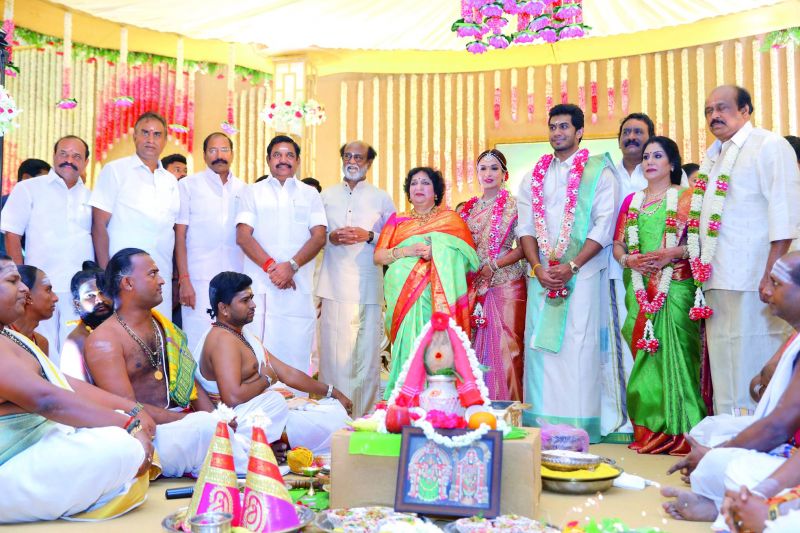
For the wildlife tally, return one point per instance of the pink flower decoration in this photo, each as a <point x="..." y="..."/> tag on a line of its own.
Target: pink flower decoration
<point x="548" y="35"/>
<point x="700" y="184"/>
<point x="722" y="186"/>
<point x="439" y="321"/>
<point x="442" y="420"/>
<point x="287" y="103"/>
<point x="539" y="23"/>
<point x="178" y="128"/>
<point x="571" y="32"/>
<point x="67" y="103"/>
<point x="524" y="37"/>
<point x="273" y="105"/>
<point x="476" y="47"/>
<point x="491" y="10"/>
<point x="533" y="9"/>
<point x="298" y="114"/>
<point x="123" y="101"/>
<point x="511" y="7"/>
<point x="714" y="225"/>
<point x="229" y="128"/>
<point x="469" y="31"/>
<point x="498" y="41"/>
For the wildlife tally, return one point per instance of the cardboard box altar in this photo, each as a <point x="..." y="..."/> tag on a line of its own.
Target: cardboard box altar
<point x="359" y="480"/>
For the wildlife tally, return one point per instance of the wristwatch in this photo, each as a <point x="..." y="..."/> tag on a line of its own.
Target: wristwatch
<point x="371" y="237"/>
<point x="572" y="266"/>
<point x="330" y="391"/>
<point x="294" y="265"/>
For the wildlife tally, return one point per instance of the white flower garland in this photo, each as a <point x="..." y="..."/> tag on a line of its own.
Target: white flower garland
<point x="649" y="342"/>
<point x="459" y="440"/>
<point x="700" y="259"/>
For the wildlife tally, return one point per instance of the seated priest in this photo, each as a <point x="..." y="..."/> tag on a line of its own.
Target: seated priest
<point x="140" y="355"/>
<point x="93" y="307"/>
<point x="759" y="449"/>
<point x="67" y="448"/>
<point x="236" y="369"/>
<point x="40" y="304"/>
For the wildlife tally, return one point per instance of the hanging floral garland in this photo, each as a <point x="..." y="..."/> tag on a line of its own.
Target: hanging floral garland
<point x="488" y="22"/>
<point x="227" y="126"/>
<point x="554" y="254"/>
<point x="649" y="343"/>
<point x="67" y="102"/>
<point x="291" y="116"/>
<point x="700" y="260"/>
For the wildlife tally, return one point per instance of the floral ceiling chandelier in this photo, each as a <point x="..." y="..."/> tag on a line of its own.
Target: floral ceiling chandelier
<point x="489" y="22"/>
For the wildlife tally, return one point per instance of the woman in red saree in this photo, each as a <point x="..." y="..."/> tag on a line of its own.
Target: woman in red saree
<point x="430" y="254"/>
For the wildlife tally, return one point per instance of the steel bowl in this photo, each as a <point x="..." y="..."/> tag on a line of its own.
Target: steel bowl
<point x="567" y="461"/>
<point x="173" y="522"/>
<point x="580" y="486"/>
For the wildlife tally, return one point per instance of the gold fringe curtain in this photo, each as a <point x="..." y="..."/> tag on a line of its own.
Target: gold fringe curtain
<point x="669" y="86"/>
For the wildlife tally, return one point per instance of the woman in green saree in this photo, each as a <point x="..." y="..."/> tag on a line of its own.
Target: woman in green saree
<point x="664" y="400"/>
<point x="431" y="258"/>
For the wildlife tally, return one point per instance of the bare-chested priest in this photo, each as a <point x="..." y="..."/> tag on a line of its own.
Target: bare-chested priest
<point x="67" y="448"/>
<point x="139" y="354"/>
<point x="93" y="308"/>
<point x="235" y="367"/>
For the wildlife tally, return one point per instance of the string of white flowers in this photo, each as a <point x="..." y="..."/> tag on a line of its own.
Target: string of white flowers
<point x="670" y="241"/>
<point x="471" y="357"/>
<point x="458" y="441"/>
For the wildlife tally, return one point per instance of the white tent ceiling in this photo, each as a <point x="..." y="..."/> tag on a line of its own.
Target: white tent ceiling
<point x="283" y="25"/>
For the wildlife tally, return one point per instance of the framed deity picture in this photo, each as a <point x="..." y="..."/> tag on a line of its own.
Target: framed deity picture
<point x="436" y="480"/>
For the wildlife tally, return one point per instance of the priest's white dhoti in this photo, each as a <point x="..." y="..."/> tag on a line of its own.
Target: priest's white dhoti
<point x="182" y="445"/>
<point x="195" y="322"/>
<point x="350" y="346"/>
<point x="740" y="341"/>
<point x="566" y="387"/>
<point x="714" y="430"/>
<point x="68" y="472"/>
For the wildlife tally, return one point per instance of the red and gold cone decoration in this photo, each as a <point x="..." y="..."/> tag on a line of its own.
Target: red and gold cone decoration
<point x="217" y="490"/>
<point x="267" y="504"/>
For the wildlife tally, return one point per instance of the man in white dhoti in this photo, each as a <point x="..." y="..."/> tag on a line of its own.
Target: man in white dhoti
<point x="763" y="445"/>
<point x="280" y="226"/>
<point x="140" y="355"/>
<point x="53" y="213"/>
<point x="741" y="233"/>
<point x="634" y="131"/>
<point x="76" y="460"/>
<point x="234" y="367"/>
<point x="566" y="218"/>
<point x="205" y="233"/>
<point x="135" y="203"/>
<point x="350" y="285"/>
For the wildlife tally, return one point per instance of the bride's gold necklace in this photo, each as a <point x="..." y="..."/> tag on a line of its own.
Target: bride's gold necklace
<point x="650" y="197"/>
<point x="423" y="218"/>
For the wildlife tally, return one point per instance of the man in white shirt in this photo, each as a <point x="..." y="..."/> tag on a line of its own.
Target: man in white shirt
<point x="759" y="221"/>
<point x="567" y="311"/>
<point x="634" y="131"/>
<point x="205" y="233"/>
<point x="280" y="226"/>
<point x="53" y="212"/>
<point x="350" y="284"/>
<point x="136" y="202"/>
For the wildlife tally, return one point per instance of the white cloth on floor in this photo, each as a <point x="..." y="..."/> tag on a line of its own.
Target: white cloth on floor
<point x="790" y="523"/>
<point x="714" y="430"/>
<point x="67" y="472"/>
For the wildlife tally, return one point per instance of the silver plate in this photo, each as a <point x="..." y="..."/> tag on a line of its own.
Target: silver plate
<point x="171" y="522"/>
<point x="323" y="523"/>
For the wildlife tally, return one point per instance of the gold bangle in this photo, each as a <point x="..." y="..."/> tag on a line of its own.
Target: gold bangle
<point x="532" y="273"/>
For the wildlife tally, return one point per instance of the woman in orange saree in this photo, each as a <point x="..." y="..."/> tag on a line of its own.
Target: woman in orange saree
<point x="431" y="259"/>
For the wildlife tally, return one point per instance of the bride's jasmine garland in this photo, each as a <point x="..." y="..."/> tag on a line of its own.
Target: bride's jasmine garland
<point x="700" y="259"/>
<point x="427" y="428"/>
<point x="649" y="342"/>
<point x="547" y="250"/>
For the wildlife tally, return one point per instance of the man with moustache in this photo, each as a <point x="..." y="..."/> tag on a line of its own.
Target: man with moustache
<point x="135" y="203"/>
<point x="566" y="317"/>
<point x="64" y="451"/>
<point x="52" y="212"/>
<point x="280" y="226"/>
<point x="634" y="131"/>
<point x="758" y="220"/>
<point x="350" y="285"/>
<point x="93" y="308"/>
<point x="205" y="233"/>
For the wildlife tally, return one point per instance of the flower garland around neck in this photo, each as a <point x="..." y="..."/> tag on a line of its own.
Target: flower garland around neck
<point x="495" y="231"/>
<point x="649" y="343"/>
<point x="700" y="260"/>
<point x="546" y="249"/>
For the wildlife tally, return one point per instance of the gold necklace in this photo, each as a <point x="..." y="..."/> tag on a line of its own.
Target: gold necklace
<point x="648" y="196"/>
<point x="155" y="356"/>
<point x="423" y="218"/>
